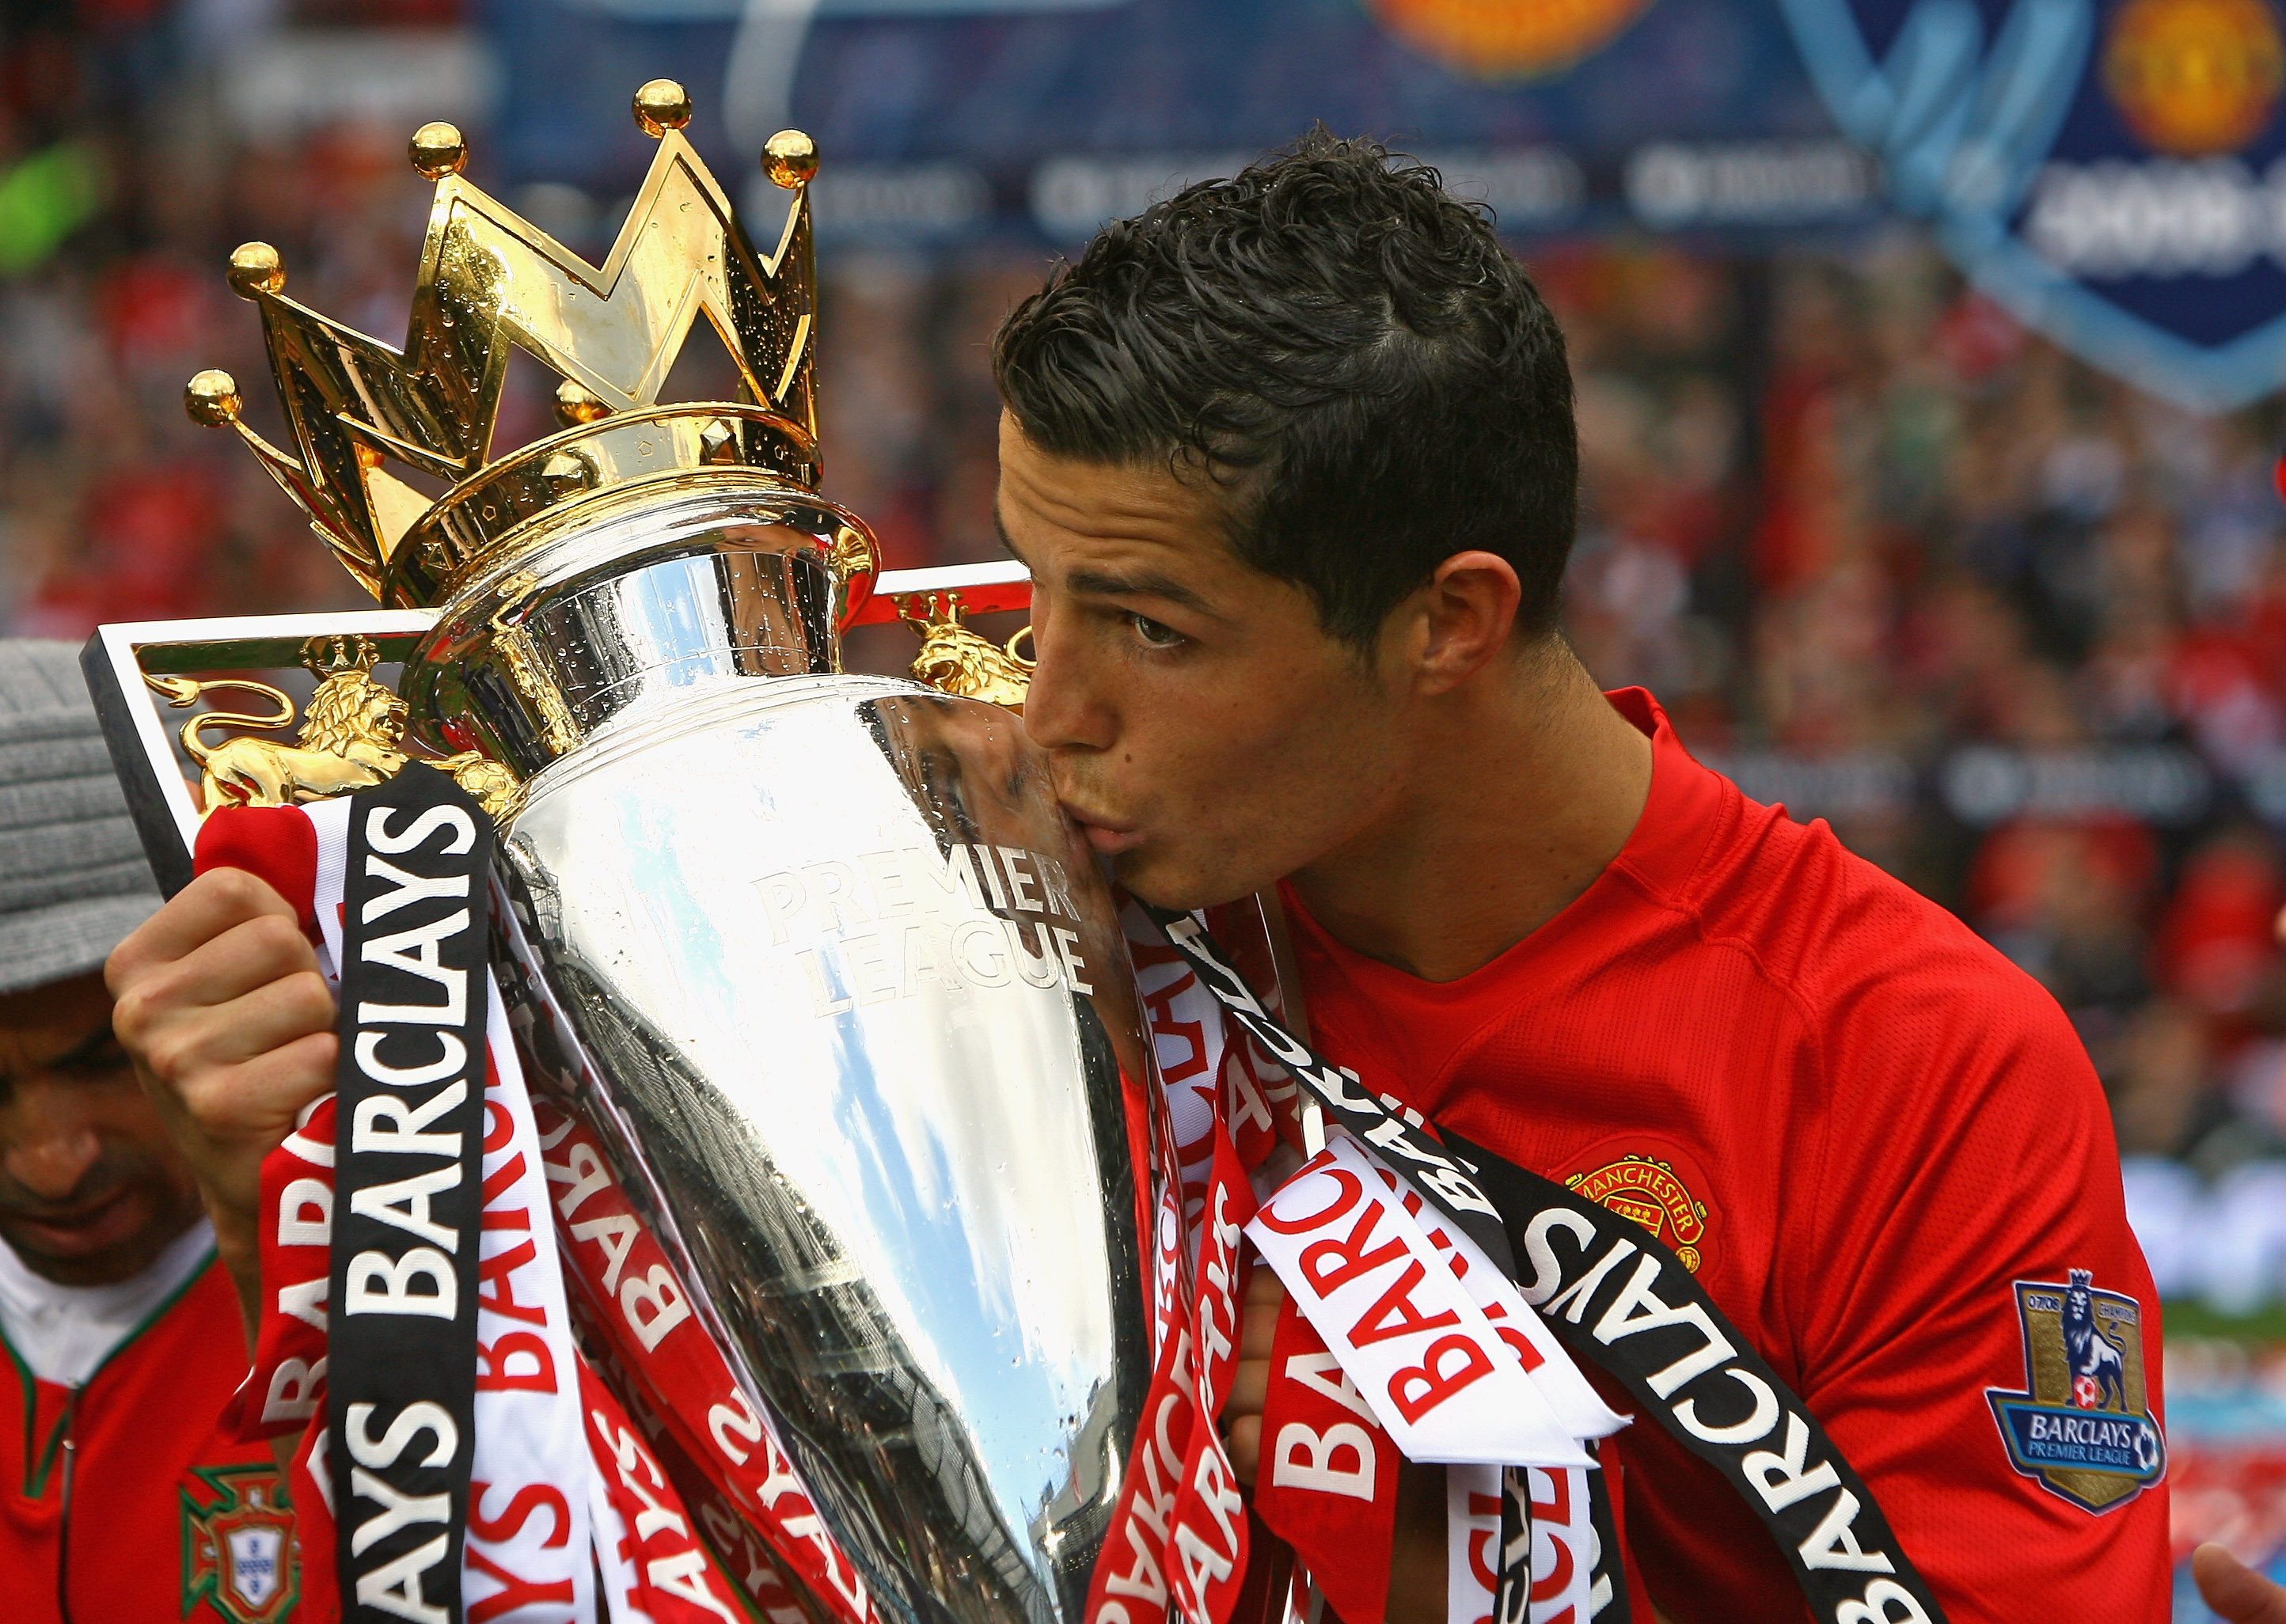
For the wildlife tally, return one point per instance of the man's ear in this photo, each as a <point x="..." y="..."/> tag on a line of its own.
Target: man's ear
<point x="1464" y="616"/>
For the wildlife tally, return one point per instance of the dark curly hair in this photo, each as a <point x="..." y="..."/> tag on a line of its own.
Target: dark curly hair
<point x="1345" y="349"/>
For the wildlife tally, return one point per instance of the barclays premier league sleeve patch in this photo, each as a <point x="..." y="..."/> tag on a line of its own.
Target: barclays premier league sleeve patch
<point x="2084" y="1429"/>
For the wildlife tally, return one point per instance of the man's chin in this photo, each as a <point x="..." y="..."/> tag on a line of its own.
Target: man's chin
<point x="122" y="1241"/>
<point x="1166" y="879"/>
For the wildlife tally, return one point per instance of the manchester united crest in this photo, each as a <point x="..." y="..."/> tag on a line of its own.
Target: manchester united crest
<point x="1653" y="1193"/>
<point x="2085" y="1429"/>
<point x="237" y="1545"/>
<point x="2194" y="78"/>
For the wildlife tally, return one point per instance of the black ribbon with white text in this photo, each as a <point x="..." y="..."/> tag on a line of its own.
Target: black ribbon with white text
<point x="1618" y="1298"/>
<point x="408" y="1188"/>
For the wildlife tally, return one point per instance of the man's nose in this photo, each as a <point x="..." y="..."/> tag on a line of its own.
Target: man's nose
<point x="1061" y="709"/>
<point x="51" y="1144"/>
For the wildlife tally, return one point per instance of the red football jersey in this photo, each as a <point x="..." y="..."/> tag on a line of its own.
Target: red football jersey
<point x="1882" y="1149"/>
<point x="127" y="1499"/>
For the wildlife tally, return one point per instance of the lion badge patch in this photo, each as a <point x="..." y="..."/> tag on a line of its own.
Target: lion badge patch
<point x="2084" y="1429"/>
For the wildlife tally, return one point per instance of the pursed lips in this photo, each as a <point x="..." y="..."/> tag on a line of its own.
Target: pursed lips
<point x="1110" y="842"/>
<point x="1108" y="838"/>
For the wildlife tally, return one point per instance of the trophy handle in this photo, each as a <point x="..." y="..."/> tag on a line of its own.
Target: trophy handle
<point x="953" y="658"/>
<point x="138" y="670"/>
<point x="985" y="589"/>
<point x="134" y="669"/>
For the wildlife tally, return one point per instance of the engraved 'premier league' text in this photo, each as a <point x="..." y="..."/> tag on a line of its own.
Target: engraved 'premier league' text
<point x="874" y="928"/>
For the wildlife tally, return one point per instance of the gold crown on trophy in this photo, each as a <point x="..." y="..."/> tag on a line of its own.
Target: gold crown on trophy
<point x="490" y="280"/>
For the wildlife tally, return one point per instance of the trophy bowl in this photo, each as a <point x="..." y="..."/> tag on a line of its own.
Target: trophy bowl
<point x="816" y="956"/>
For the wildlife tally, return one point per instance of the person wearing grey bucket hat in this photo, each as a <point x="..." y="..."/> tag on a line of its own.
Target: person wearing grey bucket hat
<point x="123" y="1328"/>
<point x="73" y="878"/>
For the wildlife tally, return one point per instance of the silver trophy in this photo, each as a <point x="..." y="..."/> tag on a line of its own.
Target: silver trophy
<point x="813" y="955"/>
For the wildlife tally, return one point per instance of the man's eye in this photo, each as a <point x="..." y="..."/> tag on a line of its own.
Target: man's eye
<point x="101" y="1058"/>
<point x="1157" y="636"/>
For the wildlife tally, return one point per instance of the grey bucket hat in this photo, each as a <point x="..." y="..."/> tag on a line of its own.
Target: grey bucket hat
<point x="73" y="878"/>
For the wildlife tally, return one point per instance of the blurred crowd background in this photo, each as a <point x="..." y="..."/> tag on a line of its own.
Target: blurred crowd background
<point x="2016" y="627"/>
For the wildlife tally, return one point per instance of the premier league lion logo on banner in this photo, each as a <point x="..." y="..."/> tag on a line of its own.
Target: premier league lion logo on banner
<point x="2084" y="1430"/>
<point x="2109" y="170"/>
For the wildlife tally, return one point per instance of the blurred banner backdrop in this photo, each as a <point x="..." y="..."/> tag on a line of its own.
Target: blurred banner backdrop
<point x="1045" y="117"/>
<point x="2107" y="174"/>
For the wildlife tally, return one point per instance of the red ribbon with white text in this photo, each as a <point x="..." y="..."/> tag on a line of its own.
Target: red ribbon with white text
<point x="564" y="1485"/>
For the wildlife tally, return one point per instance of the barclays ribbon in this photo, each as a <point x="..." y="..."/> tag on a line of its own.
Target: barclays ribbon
<point x="1613" y="1295"/>
<point x="407" y="1194"/>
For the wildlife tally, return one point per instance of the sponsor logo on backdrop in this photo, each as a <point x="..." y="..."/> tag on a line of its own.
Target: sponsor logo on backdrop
<point x="2194" y="77"/>
<point x="2113" y="174"/>
<point x="1507" y="38"/>
<point x="1659" y="1192"/>
<point x="2083" y="1427"/>
<point x="237" y="1545"/>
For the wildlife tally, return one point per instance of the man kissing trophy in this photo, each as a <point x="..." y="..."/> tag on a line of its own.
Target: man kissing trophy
<point x="751" y="1186"/>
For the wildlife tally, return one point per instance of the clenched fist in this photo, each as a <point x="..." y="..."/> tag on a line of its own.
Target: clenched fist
<point x="221" y="1005"/>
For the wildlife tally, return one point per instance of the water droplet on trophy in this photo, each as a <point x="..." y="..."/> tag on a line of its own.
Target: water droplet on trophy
<point x="437" y="150"/>
<point x="660" y="105"/>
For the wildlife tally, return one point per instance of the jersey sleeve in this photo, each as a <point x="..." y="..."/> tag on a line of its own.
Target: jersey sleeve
<point x="1976" y="1325"/>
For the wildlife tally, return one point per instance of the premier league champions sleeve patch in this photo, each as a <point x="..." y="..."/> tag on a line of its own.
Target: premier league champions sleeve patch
<point x="2085" y="1429"/>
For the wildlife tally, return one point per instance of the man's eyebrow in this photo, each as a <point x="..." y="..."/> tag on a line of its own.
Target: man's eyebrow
<point x="98" y="1049"/>
<point x="1138" y="584"/>
<point x="1105" y="584"/>
<point x="1000" y="526"/>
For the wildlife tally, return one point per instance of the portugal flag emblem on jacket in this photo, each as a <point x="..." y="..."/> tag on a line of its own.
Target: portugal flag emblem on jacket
<point x="237" y="1545"/>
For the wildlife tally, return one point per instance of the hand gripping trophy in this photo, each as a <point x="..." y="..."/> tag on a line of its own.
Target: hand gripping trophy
<point x="839" y="1097"/>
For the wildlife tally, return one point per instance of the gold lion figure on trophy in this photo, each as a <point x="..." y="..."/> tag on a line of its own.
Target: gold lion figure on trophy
<point x="349" y="739"/>
<point x="955" y="659"/>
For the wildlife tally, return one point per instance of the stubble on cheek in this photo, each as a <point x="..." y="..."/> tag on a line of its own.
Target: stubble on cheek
<point x="1236" y="784"/>
<point x="1220" y="830"/>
